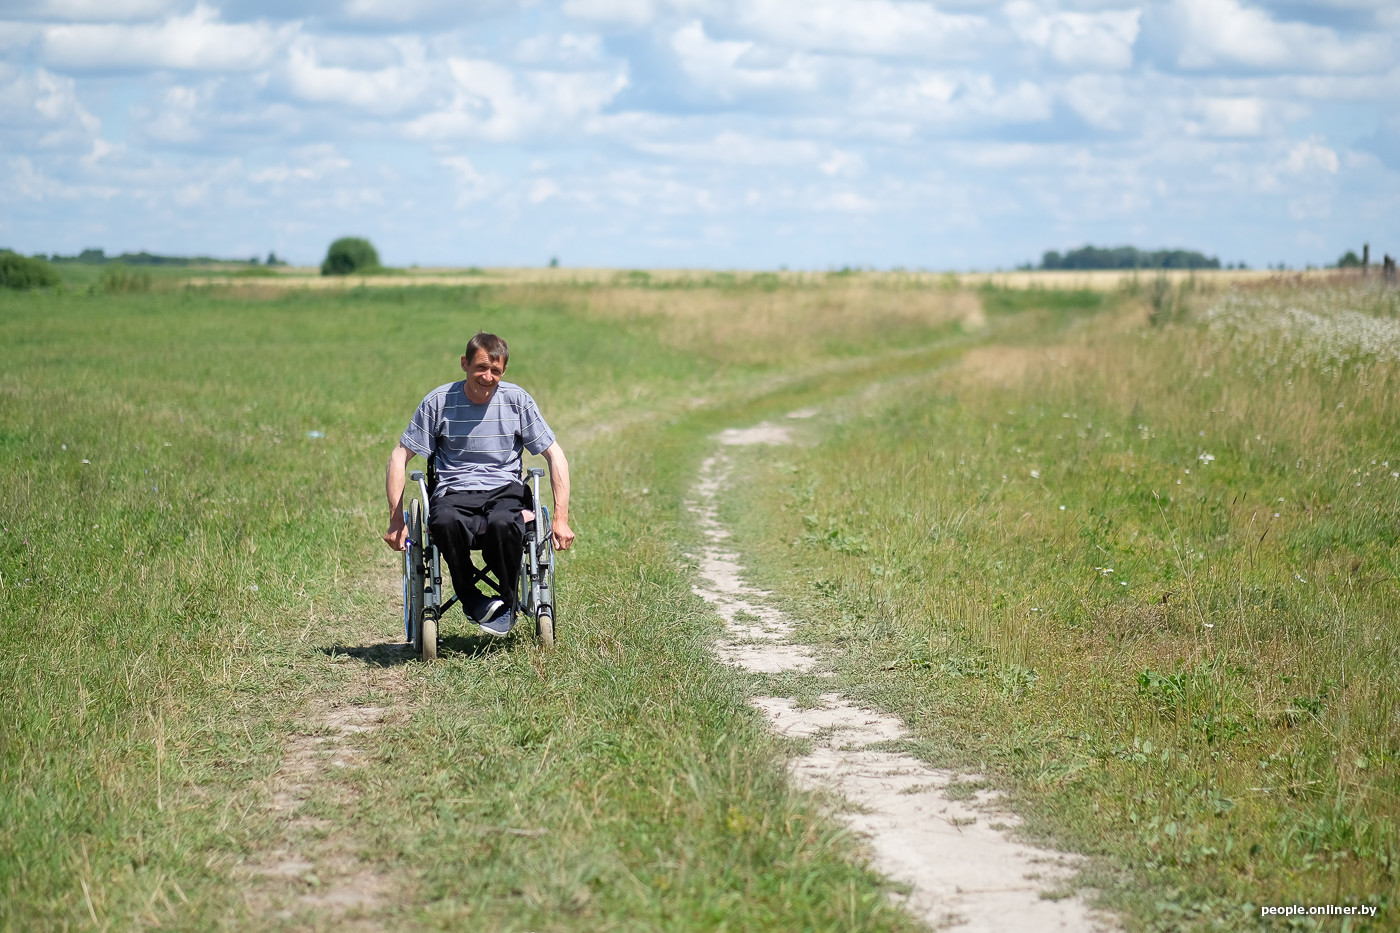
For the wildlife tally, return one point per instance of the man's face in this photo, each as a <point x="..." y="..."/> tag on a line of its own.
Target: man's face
<point x="483" y="375"/>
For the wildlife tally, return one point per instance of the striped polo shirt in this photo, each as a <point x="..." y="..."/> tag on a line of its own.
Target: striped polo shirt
<point x="477" y="446"/>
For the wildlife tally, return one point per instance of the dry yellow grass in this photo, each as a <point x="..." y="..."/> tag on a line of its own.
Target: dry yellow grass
<point x="1095" y="280"/>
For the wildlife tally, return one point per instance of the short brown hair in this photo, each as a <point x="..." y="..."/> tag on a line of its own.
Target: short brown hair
<point x="494" y="346"/>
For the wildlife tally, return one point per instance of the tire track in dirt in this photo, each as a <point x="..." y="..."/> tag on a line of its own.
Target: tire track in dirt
<point x="310" y="874"/>
<point x="955" y="855"/>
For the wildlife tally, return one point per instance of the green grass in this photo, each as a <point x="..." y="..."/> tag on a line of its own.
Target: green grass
<point x="1217" y="733"/>
<point x="1143" y="577"/>
<point x="171" y="606"/>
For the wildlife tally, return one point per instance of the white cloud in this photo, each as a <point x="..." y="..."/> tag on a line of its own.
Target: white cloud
<point x="175" y="123"/>
<point x="1211" y="34"/>
<point x="1310" y="157"/>
<point x="1102" y="101"/>
<point x="846" y="202"/>
<point x="99" y="10"/>
<point x="198" y="41"/>
<point x="471" y="185"/>
<point x="383" y="91"/>
<point x="841" y="163"/>
<point x="560" y="50"/>
<point x="866" y="27"/>
<point x="313" y="164"/>
<point x="1082" y="41"/>
<point x="621" y="12"/>
<point x="45" y="107"/>
<point x="729" y="68"/>
<point x="542" y="190"/>
<point x="489" y="101"/>
<point x="945" y="100"/>
<point x="17" y="35"/>
<point x="1227" y="116"/>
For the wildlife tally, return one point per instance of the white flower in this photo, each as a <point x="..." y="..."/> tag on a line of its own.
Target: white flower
<point x="1206" y="458"/>
<point x="1035" y="474"/>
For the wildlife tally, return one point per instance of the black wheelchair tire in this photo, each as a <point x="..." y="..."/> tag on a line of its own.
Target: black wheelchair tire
<point x="417" y="576"/>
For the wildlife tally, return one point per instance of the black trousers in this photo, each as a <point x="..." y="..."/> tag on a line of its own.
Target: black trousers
<point x="485" y="520"/>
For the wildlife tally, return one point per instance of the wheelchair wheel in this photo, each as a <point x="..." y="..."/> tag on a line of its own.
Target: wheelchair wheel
<point x="428" y="649"/>
<point x="547" y="612"/>
<point x="415" y="581"/>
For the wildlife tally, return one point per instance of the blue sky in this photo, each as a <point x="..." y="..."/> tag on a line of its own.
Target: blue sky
<point x="958" y="134"/>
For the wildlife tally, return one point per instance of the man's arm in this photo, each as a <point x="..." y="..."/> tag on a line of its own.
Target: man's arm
<point x="559" y="482"/>
<point x="397" y="535"/>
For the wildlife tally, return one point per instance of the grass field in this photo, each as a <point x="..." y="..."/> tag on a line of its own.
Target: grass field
<point x="1146" y="578"/>
<point x="192" y="497"/>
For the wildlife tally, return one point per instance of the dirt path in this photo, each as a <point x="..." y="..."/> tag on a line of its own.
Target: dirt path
<point x="956" y="855"/>
<point x="311" y="874"/>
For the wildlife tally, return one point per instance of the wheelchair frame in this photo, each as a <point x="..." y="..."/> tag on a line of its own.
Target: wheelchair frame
<point x="423" y="603"/>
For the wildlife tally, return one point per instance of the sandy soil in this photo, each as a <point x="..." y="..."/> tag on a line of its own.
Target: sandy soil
<point x="960" y="864"/>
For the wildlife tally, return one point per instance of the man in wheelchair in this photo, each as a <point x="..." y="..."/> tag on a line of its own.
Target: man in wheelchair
<point x="474" y="431"/>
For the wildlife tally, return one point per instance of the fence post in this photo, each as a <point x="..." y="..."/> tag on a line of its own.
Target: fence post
<point x="1365" y="259"/>
<point x="1390" y="271"/>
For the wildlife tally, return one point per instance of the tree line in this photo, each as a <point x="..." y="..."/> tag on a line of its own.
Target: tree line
<point x="1127" y="257"/>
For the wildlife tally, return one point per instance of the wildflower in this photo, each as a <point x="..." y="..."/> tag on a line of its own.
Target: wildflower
<point x="65" y="446"/>
<point x="1035" y="474"/>
<point x="1209" y="624"/>
<point x="1206" y="458"/>
<point x="1299" y="578"/>
<point x="1062" y="508"/>
<point x="254" y="587"/>
<point x="89" y="462"/>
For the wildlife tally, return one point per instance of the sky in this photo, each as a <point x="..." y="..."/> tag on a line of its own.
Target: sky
<point x="744" y="134"/>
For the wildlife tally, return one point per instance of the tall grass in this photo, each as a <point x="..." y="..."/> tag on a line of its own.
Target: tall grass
<point x="1146" y="576"/>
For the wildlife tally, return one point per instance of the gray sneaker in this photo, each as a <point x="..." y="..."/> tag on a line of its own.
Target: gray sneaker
<point x="500" y="624"/>
<point x="480" y="608"/>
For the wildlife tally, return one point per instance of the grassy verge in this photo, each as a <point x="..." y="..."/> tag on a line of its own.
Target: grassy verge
<point x="191" y="509"/>
<point x="1146" y="578"/>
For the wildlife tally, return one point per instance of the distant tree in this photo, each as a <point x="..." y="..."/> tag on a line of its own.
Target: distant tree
<point x="1127" y="257"/>
<point x="273" y="260"/>
<point x="348" y="255"/>
<point x="1349" y="260"/>
<point x="23" y="273"/>
<point x="554" y="262"/>
<point x="92" y="255"/>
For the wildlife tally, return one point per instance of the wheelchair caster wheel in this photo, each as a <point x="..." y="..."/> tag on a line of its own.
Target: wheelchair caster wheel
<point x="544" y="628"/>
<point x="427" y="639"/>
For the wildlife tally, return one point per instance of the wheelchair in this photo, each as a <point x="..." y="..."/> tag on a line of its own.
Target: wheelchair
<point x="423" y="603"/>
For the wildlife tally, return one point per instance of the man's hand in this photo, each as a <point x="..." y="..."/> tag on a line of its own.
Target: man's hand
<point x="397" y="535"/>
<point x="559" y="483"/>
<point x="563" y="534"/>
